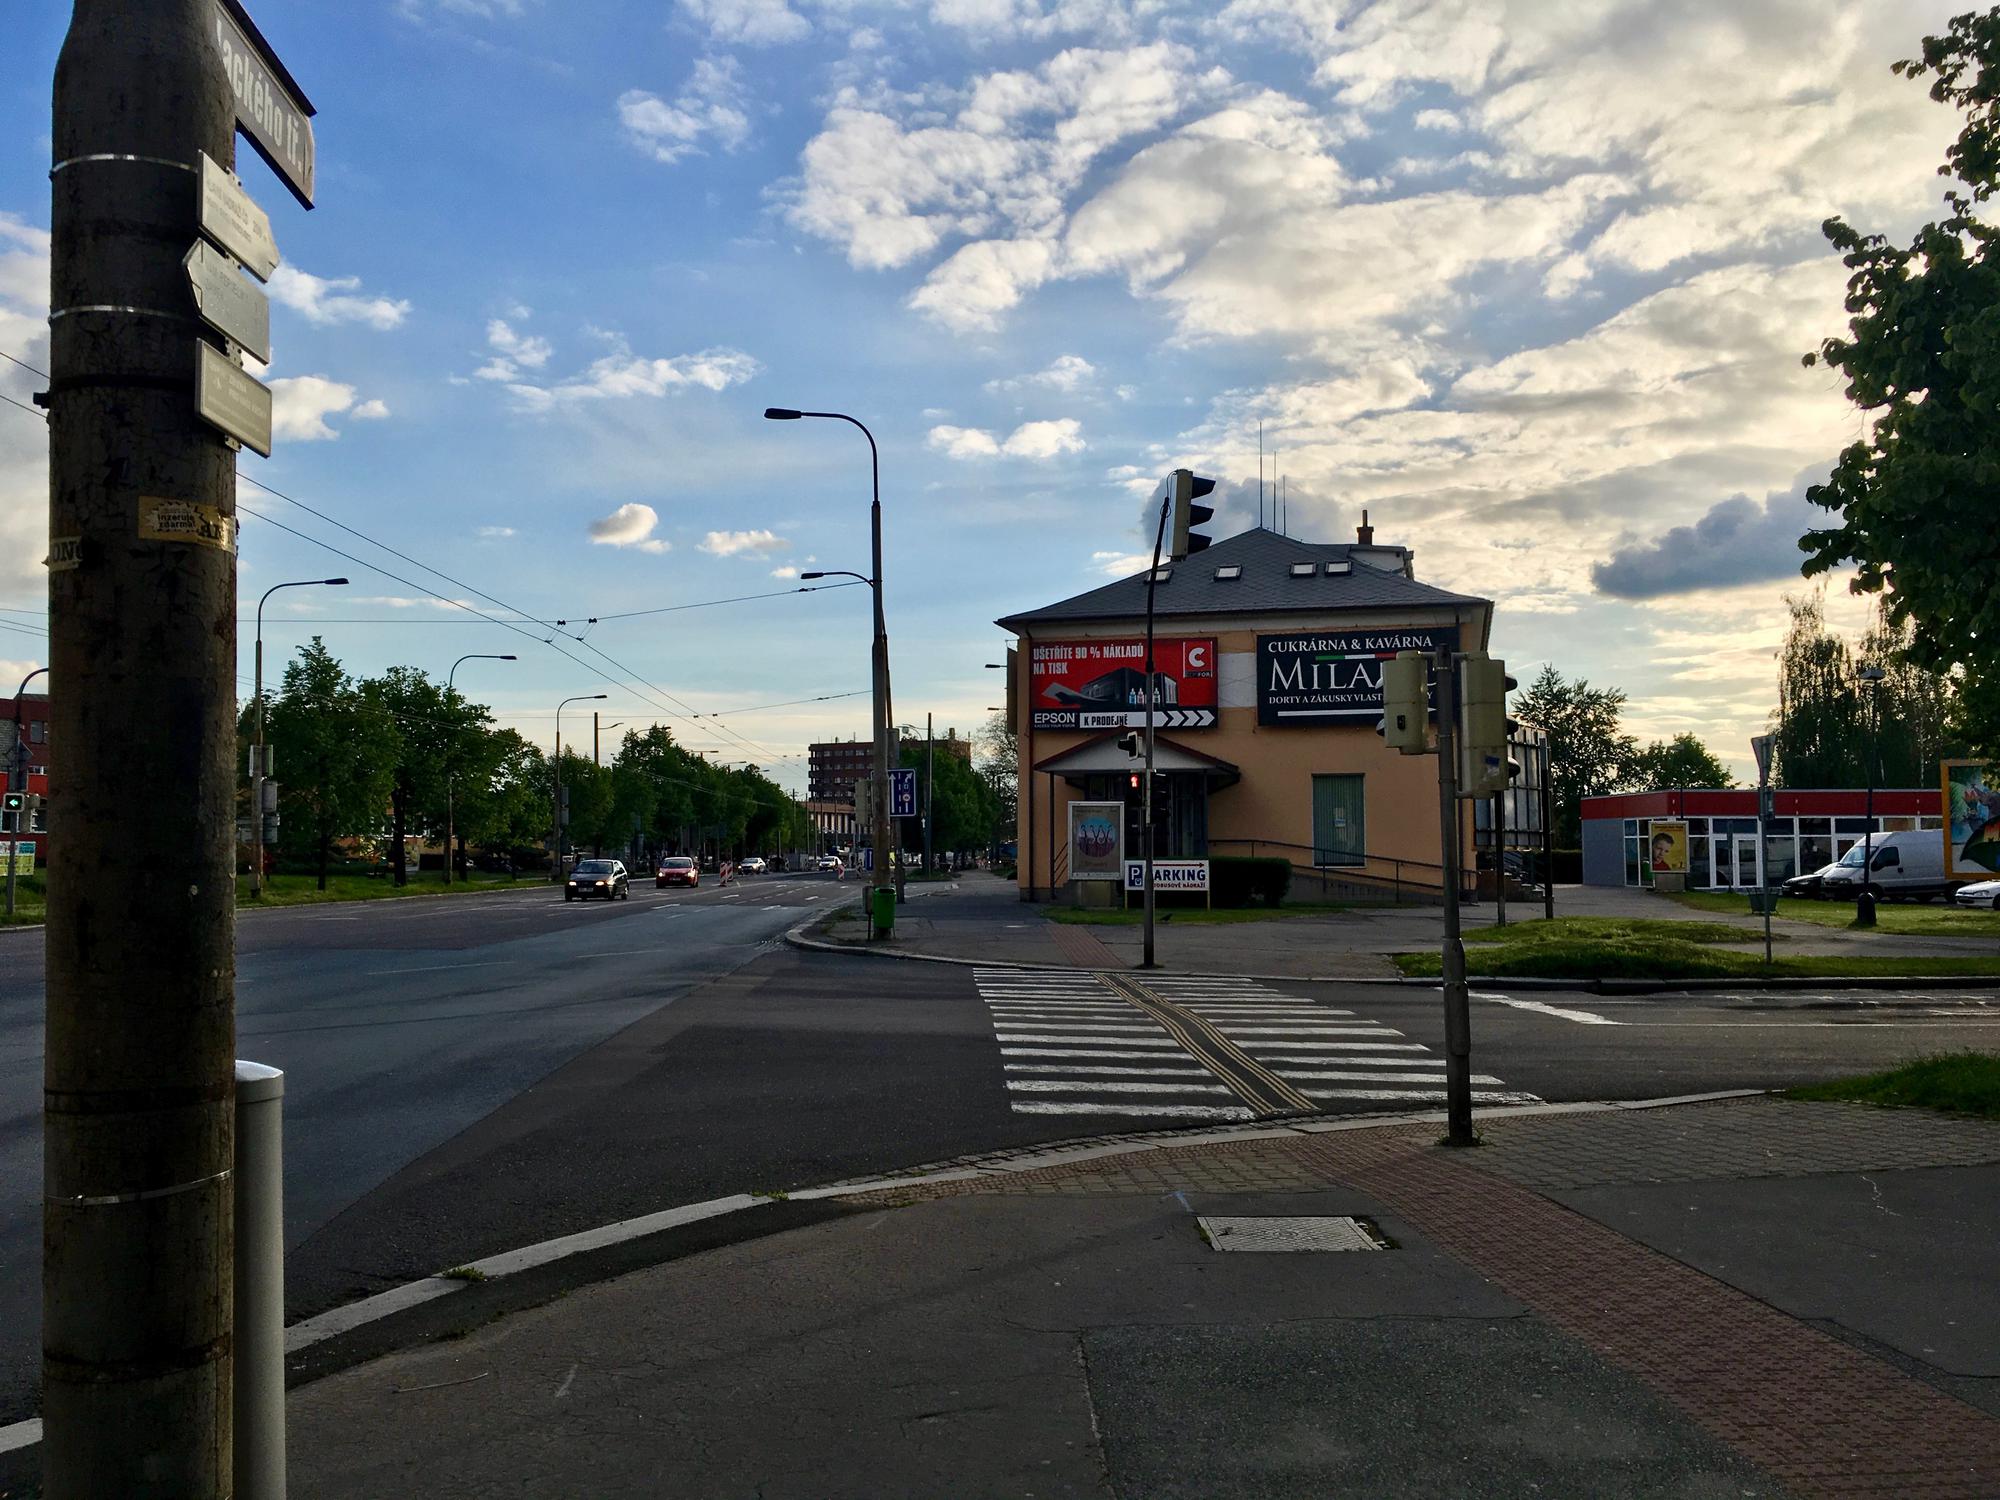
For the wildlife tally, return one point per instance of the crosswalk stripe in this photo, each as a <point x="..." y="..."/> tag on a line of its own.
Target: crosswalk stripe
<point x="1101" y="1054"/>
<point x="1268" y="1046"/>
<point x="1311" y="1075"/>
<point x="1106" y="1086"/>
<point x="1157" y="1111"/>
<point x="1365" y="1028"/>
<point x="1108" y="1041"/>
<point x="1086" y="1071"/>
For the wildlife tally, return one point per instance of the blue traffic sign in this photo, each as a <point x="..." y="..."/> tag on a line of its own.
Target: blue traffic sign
<point x="903" y="792"/>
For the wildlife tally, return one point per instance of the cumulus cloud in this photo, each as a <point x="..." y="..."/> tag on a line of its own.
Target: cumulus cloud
<point x="787" y="571"/>
<point x="741" y="543"/>
<point x="709" y="108"/>
<point x="370" y="411"/>
<point x="300" y="405"/>
<point x="752" y="23"/>
<point x="1737" y="541"/>
<point x="1066" y="373"/>
<point x="327" y="300"/>
<point x="1034" y="440"/>
<point x="513" y="351"/>
<point x="619" y="374"/>
<point x="495" y="533"/>
<point x="631" y="525"/>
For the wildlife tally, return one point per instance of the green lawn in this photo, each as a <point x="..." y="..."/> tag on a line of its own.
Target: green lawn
<point x="29" y="897"/>
<point x="1890" y="916"/>
<point x="1960" y="1083"/>
<point x="303" y="890"/>
<point x="1100" y="916"/>
<point x="1651" y="948"/>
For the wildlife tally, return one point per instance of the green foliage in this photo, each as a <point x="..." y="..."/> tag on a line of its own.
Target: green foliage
<point x="1683" y="761"/>
<point x="1917" y="496"/>
<point x="333" y="754"/>
<point x="1589" y="752"/>
<point x="1960" y="1083"/>
<point x="1236" y="880"/>
<point x="997" y="758"/>
<point x="961" y="802"/>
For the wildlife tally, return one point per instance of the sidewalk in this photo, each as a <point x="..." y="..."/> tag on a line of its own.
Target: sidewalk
<point x="980" y="918"/>
<point x="1752" y="1298"/>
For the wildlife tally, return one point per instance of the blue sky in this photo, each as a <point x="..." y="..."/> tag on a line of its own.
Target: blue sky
<point x="1529" y="280"/>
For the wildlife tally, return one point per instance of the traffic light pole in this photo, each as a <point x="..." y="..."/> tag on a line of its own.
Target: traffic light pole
<point x="138" y="1138"/>
<point x="1152" y="715"/>
<point x="1457" y="1003"/>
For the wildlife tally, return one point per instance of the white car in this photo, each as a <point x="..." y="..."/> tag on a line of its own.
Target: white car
<point x="827" y="862"/>
<point x="1980" y="893"/>
<point x="754" y="865"/>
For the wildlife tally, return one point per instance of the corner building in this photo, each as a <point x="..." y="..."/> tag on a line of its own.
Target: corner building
<point x="1270" y="653"/>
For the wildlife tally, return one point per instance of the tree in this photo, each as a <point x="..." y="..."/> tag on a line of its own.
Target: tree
<point x="421" y="725"/>
<point x="1589" y="754"/>
<point x="961" y="805"/>
<point x="334" y="753"/>
<point x="998" y="761"/>
<point x="503" y="799"/>
<point x="1916" y="497"/>
<point x="1683" y="761"/>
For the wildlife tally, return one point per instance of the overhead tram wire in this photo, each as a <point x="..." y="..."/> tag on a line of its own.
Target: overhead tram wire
<point x="686" y="709"/>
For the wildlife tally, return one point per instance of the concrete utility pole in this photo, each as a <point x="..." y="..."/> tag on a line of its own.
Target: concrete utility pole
<point x="138" y="1216"/>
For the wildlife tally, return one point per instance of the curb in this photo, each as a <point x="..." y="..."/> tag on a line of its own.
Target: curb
<point x="500" y="1268"/>
<point x="795" y="937"/>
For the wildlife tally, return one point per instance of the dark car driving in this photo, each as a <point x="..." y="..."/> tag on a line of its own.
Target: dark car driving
<point x="598" y="877"/>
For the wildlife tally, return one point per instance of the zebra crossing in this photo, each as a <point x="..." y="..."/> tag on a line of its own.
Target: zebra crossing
<point x="1071" y="1045"/>
<point x="1325" y="1053"/>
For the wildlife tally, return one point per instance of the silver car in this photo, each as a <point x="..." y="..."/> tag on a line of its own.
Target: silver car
<point x="1984" y="893"/>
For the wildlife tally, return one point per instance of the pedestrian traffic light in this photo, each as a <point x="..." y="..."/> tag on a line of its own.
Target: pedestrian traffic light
<point x="14" y="802"/>
<point x="1405" y="704"/>
<point x="1483" y="726"/>
<point x="1132" y="782"/>
<point x="1188" y="488"/>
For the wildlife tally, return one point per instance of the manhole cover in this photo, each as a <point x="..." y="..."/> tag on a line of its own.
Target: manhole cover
<point x="1280" y="1234"/>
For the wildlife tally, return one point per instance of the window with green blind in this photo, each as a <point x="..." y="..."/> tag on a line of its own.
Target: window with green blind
<point x="1340" y="836"/>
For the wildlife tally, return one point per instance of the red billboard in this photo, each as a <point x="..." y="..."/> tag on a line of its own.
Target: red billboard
<point x="1102" y="684"/>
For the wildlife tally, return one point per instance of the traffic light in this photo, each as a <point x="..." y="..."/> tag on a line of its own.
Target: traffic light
<point x="1483" y="767"/>
<point x="1188" y="488"/>
<point x="1132" y="782"/>
<point x="1406" y="710"/>
<point x="14" y="802"/>
<point x="1131" y="745"/>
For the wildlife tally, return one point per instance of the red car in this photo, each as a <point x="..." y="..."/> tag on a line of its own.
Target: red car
<point x="677" y="869"/>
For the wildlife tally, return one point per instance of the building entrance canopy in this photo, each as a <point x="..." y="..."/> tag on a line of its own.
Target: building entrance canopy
<point x="1103" y="756"/>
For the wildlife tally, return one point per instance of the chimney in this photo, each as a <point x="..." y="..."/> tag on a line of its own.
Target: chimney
<point x="1364" y="534"/>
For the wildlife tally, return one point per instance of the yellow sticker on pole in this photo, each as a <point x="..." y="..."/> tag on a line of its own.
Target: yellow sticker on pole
<point x="163" y="520"/>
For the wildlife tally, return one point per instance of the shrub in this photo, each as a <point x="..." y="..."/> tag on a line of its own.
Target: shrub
<point x="1237" y="881"/>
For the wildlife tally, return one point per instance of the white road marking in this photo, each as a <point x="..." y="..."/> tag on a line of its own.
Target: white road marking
<point x="1479" y="1096"/>
<point x="1192" y="1071"/>
<point x="1043" y="1023"/>
<point x="1581" y="1017"/>
<point x="1103" y="1041"/>
<point x="484" y="963"/>
<point x="1155" y="1111"/>
<point x="1340" y="1060"/>
<point x="1315" y="1076"/>
<point x="1269" y="1046"/>
<point x="21" y="1435"/>
<point x="1366" y="1028"/>
<point x="1082" y="1052"/>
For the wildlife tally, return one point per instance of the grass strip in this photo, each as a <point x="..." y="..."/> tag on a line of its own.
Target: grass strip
<point x="1907" y="920"/>
<point x="1958" y="1083"/>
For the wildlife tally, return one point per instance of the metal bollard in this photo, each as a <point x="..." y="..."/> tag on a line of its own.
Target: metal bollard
<point x="260" y="1282"/>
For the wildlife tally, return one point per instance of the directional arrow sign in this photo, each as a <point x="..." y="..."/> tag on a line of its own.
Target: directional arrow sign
<point x="902" y="791"/>
<point x="270" y="107"/>
<point x="238" y="403"/>
<point x="229" y="304"/>
<point x="233" y="221"/>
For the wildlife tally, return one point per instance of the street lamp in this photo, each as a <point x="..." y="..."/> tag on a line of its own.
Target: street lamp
<point x="557" y="841"/>
<point x="260" y="772"/>
<point x="1864" y="903"/>
<point x="881" y="672"/>
<point x="449" y="771"/>
<point x="17" y="764"/>
<point x="882" y="707"/>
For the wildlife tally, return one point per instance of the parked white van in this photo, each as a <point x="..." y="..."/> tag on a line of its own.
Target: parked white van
<point x="1907" y="867"/>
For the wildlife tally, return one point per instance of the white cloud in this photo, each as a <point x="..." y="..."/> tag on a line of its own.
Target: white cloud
<point x="623" y="374"/>
<point x="631" y="525"/>
<point x="1034" y="440"/>
<point x="753" y="23"/>
<point x="1120" y="564"/>
<point x="741" y="543"/>
<point x="323" y="300"/>
<point x="1066" y="373"/>
<point x="709" y="107"/>
<point x="300" y="405"/>
<point x="370" y="411"/>
<point x="787" y="571"/>
<point x="24" y="442"/>
<point x="496" y="533"/>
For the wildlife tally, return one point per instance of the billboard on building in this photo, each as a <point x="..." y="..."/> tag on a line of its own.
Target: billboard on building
<point x="1096" y="840"/>
<point x="1670" y="847"/>
<point x="1102" y="684"/>
<point x="1334" y="676"/>
<point x="1971" y="819"/>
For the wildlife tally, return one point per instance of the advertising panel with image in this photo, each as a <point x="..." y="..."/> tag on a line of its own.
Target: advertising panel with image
<point x="1333" y="676"/>
<point x="1971" y="819"/>
<point x="1102" y="684"/>
<point x="1096" y="840"/>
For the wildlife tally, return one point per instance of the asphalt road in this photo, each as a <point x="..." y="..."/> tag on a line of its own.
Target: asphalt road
<point x="469" y="1076"/>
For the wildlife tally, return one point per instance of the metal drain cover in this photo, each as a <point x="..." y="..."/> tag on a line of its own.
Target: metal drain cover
<point x="1283" y="1234"/>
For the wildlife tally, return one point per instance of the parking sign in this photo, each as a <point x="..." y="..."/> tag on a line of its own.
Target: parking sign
<point x="903" y="792"/>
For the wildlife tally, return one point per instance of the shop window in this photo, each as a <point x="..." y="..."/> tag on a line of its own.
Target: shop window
<point x="1820" y="826"/>
<point x="1340" y="835"/>
<point x="1850" y="825"/>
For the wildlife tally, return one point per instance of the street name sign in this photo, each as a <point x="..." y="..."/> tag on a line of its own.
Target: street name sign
<point x="234" y="221"/>
<point x="271" y="109"/>
<point x="903" y="792"/>
<point x="229" y="304"/>
<point x="238" y="403"/>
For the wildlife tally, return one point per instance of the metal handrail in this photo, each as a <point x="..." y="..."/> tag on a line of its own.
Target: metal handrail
<point x="1379" y="871"/>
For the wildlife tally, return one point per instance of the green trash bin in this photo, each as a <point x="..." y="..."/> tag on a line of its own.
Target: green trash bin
<point x="882" y="906"/>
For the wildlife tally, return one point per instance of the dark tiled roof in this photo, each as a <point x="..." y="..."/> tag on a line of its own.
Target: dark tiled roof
<point x="1265" y="586"/>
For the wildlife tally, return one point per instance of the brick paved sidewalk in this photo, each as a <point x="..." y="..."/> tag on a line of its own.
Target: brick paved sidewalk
<point x="1824" y="1417"/>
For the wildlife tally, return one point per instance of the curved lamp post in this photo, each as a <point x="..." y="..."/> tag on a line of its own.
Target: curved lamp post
<point x="881" y="672"/>
<point x="449" y="771"/>
<point x="260" y="774"/>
